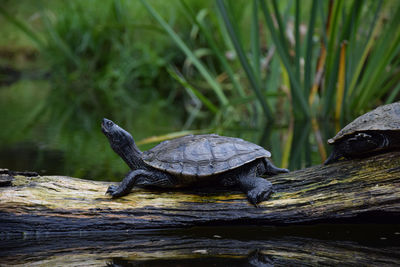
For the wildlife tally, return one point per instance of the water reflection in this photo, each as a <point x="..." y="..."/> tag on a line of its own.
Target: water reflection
<point x="254" y="258"/>
<point x="233" y="246"/>
<point x="31" y="157"/>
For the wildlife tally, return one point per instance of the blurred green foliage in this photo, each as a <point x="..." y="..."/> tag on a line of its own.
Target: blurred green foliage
<point x="266" y="71"/>
<point x="343" y="63"/>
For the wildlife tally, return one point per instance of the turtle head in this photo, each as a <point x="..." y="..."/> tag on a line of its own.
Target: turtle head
<point x="117" y="136"/>
<point x="122" y="143"/>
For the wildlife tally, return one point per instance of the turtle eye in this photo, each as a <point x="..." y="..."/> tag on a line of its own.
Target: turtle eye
<point x="109" y="124"/>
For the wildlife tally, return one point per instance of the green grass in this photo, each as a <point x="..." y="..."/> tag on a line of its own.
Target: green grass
<point x="338" y="86"/>
<point x="97" y="66"/>
<point x="241" y="68"/>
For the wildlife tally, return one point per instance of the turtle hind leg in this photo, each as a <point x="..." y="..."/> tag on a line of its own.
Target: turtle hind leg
<point x="272" y="169"/>
<point x="257" y="189"/>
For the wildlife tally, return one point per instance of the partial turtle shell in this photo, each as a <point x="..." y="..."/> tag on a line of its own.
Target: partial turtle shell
<point x="202" y="155"/>
<point x="383" y="118"/>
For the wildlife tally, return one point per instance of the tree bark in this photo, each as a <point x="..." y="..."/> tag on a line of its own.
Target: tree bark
<point x="349" y="191"/>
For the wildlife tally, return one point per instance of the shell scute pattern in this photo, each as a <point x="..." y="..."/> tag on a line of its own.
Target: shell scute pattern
<point x="202" y="155"/>
<point x="383" y="118"/>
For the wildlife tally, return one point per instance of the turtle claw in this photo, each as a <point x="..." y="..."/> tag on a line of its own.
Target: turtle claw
<point x="112" y="190"/>
<point x="257" y="189"/>
<point x="256" y="196"/>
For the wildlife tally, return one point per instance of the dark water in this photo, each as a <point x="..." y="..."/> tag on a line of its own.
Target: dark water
<point x="357" y="245"/>
<point x="31" y="157"/>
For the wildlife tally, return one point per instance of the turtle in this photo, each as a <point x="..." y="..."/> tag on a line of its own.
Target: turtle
<point x="193" y="160"/>
<point x="374" y="132"/>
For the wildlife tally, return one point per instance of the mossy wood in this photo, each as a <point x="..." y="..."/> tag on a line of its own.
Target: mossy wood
<point x="356" y="190"/>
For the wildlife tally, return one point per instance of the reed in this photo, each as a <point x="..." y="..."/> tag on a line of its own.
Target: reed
<point x="280" y="72"/>
<point x="344" y="64"/>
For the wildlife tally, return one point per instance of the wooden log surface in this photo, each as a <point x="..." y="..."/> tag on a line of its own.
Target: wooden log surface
<point x="349" y="191"/>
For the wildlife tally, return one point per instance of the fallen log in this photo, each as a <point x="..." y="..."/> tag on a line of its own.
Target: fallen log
<point x="349" y="191"/>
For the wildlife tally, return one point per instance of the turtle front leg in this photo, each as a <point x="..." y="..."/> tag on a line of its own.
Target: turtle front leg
<point x="334" y="156"/>
<point x="257" y="189"/>
<point x="126" y="185"/>
<point x="142" y="178"/>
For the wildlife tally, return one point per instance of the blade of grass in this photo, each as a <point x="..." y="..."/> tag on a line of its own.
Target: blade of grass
<point x="350" y="34"/>
<point x="301" y="133"/>
<point x="23" y="27"/>
<point x="370" y="42"/>
<point x="255" y="42"/>
<point x="351" y="20"/>
<point x="218" y="52"/>
<point x="379" y="62"/>
<point x="296" y="88"/>
<point x="328" y="96"/>
<point x="309" y="49"/>
<point x="326" y="19"/>
<point x="289" y="137"/>
<point x="389" y="47"/>
<point x="281" y="25"/>
<point x="332" y="36"/>
<point x="117" y="10"/>
<point x="273" y="69"/>
<point x="59" y="42"/>
<point x="318" y="139"/>
<point x="243" y="60"/>
<point x="297" y="39"/>
<point x="332" y="58"/>
<point x="255" y="56"/>
<point x="178" y="77"/>
<point x="318" y="74"/>
<point x="321" y="59"/>
<point x="389" y="80"/>
<point x="393" y="94"/>
<point x="197" y="63"/>
<point x="340" y="85"/>
<point x="288" y="144"/>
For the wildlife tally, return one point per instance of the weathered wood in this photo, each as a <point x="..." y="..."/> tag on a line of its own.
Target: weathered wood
<point x="357" y="190"/>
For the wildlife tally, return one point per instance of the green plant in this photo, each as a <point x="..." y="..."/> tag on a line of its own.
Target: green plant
<point x="95" y="64"/>
<point x="344" y="64"/>
<point x="98" y="65"/>
<point x="261" y="70"/>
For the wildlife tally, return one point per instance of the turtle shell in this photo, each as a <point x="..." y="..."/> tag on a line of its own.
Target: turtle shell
<point x="202" y="155"/>
<point x="383" y="118"/>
